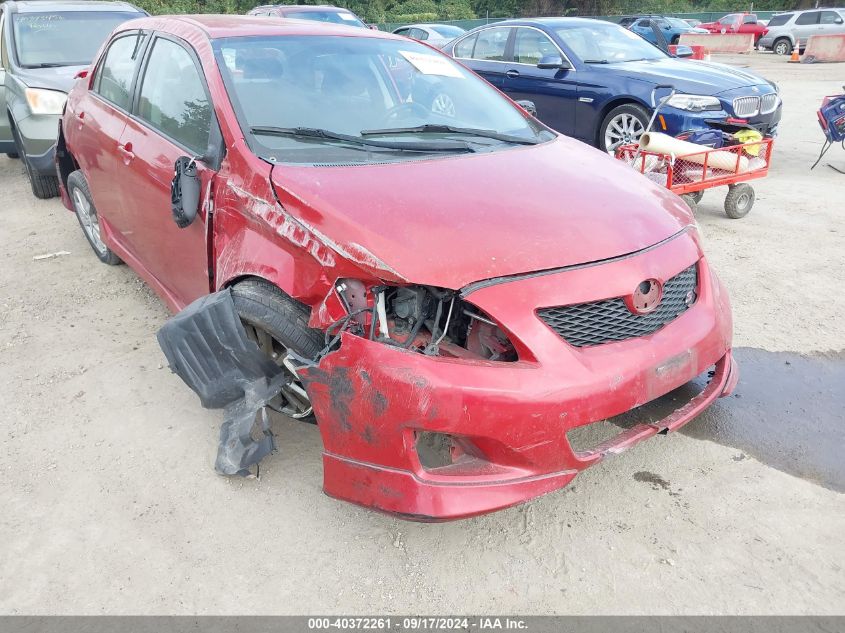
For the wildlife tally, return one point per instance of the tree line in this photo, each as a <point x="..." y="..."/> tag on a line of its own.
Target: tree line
<point x="381" y="11"/>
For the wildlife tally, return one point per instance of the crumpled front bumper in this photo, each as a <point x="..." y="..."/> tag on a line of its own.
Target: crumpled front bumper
<point x="373" y="401"/>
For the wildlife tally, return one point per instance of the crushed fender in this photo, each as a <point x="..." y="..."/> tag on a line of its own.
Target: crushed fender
<point x="207" y="347"/>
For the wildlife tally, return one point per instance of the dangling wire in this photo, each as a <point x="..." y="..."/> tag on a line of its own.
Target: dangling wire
<point x="827" y="145"/>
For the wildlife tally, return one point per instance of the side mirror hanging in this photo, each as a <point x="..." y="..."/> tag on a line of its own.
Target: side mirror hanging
<point x="185" y="192"/>
<point x="528" y="106"/>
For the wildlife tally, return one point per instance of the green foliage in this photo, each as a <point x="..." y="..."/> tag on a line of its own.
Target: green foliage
<point x="407" y="11"/>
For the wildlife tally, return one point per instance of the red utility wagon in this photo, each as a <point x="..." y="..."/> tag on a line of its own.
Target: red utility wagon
<point x="689" y="175"/>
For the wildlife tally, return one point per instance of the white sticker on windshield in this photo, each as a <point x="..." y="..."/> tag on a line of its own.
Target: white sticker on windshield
<point x="348" y="17"/>
<point x="431" y="64"/>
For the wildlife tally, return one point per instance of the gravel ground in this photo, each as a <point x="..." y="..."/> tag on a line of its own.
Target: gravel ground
<point x="110" y="503"/>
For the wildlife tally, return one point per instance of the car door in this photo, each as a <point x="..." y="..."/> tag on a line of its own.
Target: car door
<point x="100" y="117"/>
<point x="486" y="53"/>
<point x="418" y="34"/>
<point x="644" y="29"/>
<point x="729" y="23"/>
<point x="831" y="23"/>
<point x="554" y="91"/>
<point x="806" y="24"/>
<point x="172" y="117"/>
<point x="7" y="145"/>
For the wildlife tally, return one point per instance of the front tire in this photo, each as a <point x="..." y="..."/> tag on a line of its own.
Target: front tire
<point x="12" y="155"/>
<point x="278" y="324"/>
<point x="623" y="125"/>
<point x="89" y="220"/>
<point x="782" y="46"/>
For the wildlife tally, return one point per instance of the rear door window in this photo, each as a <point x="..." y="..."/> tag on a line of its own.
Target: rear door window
<point x="114" y="75"/>
<point x="173" y="99"/>
<point x="491" y="45"/>
<point x="465" y="47"/>
<point x="780" y="20"/>
<point x="810" y="17"/>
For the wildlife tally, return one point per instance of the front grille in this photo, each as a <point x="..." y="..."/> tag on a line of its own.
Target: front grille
<point x="768" y="103"/>
<point x="746" y="106"/>
<point x="599" y="322"/>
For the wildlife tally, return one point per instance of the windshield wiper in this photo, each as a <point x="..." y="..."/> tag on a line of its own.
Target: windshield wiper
<point x="309" y="132"/>
<point x="596" y="61"/>
<point x="49" y="65"/>
<point x="436" y="128"/>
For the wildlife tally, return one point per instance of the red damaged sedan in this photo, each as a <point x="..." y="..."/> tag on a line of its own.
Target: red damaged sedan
<point x="447" y="287"/>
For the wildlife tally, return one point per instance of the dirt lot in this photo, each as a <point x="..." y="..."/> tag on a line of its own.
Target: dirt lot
<point x="110" y="503"/>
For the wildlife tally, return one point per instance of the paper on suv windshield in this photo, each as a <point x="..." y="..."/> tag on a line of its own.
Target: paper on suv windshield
<point x="348" y="17"/>
<point x="431" y="64"/>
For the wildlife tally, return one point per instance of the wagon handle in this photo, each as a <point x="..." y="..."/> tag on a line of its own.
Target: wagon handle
<point x="655" y="109"/>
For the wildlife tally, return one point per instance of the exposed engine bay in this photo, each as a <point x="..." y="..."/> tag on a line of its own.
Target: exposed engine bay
<point x="429" y="320"/>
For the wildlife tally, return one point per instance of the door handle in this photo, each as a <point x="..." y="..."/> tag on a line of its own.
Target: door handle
<point x="126" y="151"/>
<point x="512" y="73"/>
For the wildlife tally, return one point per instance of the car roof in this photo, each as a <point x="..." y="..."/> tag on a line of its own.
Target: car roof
<point x="38" y="6"/>
<point x="549" y="22"/>
<point x="221" y="26"/>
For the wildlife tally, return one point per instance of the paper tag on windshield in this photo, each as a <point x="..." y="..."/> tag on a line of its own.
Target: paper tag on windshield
<point x="431" y="64"/>
<point x="348" y="17"/>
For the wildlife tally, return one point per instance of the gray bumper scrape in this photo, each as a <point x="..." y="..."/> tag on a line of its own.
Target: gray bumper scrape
<point x="207" y="347"/>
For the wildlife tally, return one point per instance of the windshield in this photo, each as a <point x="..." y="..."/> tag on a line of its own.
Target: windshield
<point x="368" y="90"/>
<point x="335" y="17"/>
<point x="448" y="31"/>
<point x="63" y="38"/>
<point x="678" y="23"/>
<point x="604" y="42"/>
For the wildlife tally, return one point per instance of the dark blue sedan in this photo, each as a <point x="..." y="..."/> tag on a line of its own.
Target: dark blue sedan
<point x="595" y="81"/>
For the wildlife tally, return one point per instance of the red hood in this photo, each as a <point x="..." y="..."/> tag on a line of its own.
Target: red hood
<point x="451" y="221"/>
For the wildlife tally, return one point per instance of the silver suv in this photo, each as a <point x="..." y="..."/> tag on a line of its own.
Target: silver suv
<point x="43" y="45"/>
<point x="787" y="29"/>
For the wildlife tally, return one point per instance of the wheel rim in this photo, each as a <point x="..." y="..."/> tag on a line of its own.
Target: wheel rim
<point x="293" y="401"/>
<point x="89" y="220"/>
<point x="742" y="201"/>
<point x="443" y="104"/>
<point x="623" y="129"/>
<point x="781" y="48"/>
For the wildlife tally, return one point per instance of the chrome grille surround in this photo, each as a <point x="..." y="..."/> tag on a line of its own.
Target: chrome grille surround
<point x="769" y="103"/>
<point x="746" y="106"/>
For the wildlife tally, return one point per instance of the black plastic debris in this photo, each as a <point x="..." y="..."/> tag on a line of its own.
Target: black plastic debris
<point x="207" y="347"/>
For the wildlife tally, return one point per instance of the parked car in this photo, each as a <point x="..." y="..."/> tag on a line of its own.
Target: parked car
<point x="692" y="22"/>
<point x="737" y="23"/>
<point x="437" y="35"/>
<point x="595" y="80"/>
<point x="670" y="28"/>
<point x="43" y="45"/>
<point x="786" y="30"/>
<point x="314" y="12"/>
<point x="456" y="327"/>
